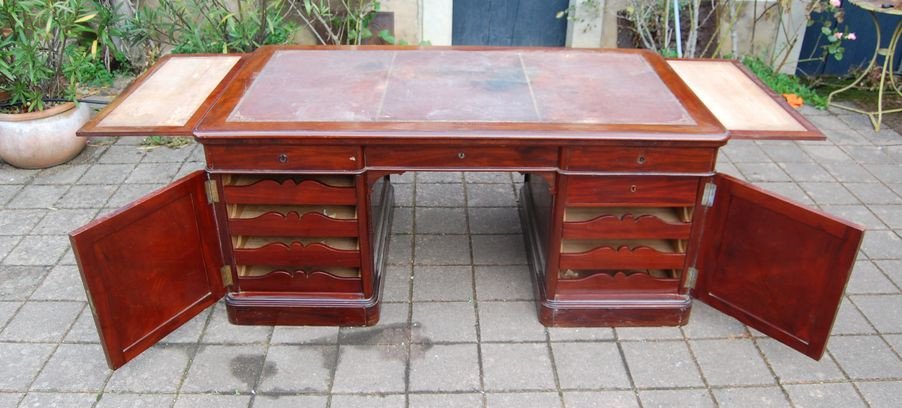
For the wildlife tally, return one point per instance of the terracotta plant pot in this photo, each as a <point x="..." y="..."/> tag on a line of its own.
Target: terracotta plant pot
<point x="36" y="140"/>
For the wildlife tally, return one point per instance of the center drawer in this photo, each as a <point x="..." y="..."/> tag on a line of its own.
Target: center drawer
<point x="461" y="157"/>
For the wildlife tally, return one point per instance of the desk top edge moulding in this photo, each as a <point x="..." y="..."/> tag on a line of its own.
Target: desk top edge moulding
<point x="625" y="218"/>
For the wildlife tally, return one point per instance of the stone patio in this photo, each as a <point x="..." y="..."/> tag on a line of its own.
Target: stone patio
<point x="458" y="326"/>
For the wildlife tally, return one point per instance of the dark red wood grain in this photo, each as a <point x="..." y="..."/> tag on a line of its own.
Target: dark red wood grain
<point x="642" y="159"/>
<point x="640" y="191"/>
<point x="289" y="280"/>
<point x="311" y="224"/>
<point x="617" y="282"/>
<point x="307" y="192"/>
<point x="622" y="257"/>
<point x="280" y="254"/>
<point x="456" y="157"/>
<point x="626" y="227"/>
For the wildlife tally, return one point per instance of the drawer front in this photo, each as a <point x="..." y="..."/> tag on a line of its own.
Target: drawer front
<point x="250" y="157"/>
<point x="650" y="159"/>
<point x="453" y="157"/>
<point x="659" y="191"/>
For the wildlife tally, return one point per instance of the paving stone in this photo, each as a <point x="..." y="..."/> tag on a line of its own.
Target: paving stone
<point x="18" y="282"/>
<point x="7" y="243"/>
<point x="164" y="154"/>
<point x="63" y="221"/>
<point x="590" y="365"/>
<point x="826" y="153"/>
<point x="520" y="367"/>
<point x="111" y="174"/>
<point x="219" y="330"/>
<point x="829" y="193"/>
<point x="392" y="328"/>
<point x="402" y="221"/>
<point x="444" y="322"/>
<point x="509" y="282"/>
<point x="397" y="283"/>
<point x="807" y="172"/>
<point x="74" y="368"/>
<point x="762" y="172"/>
<point x="404" y="178"/>
<point x="7" y="192"/>
<point x="830" y="122"/>
<point x="189" y="332"/>
<point x="891" y="215"/>
<point x="35" y="196"/>
<point x="370" y="369"/>
<point x="121" y="154"/>
<point x="580" y="333"/>
<point x="109" y="400"/>
<point x="850" y="321"/>
<point x="488" y="177"/>
<point x="87" y="196"/>
<point x="439" y="177"/>
<point x="54" y="400"/>
<point x="400" y="250"/>
<point x="600" y="399"/>
<point x="442" y="250"/>
<point x="490" y="195"/>
<point x="648" y="333"/>
<point x="453" y="367"/>
<point x="750" y="397"/>
<point x="867" y="279"/>
<point x="38" y="250"/>
<point x="453" y="283"/>
<point x="498" y="249"/>
<point x="369" y="401"/>
<point x="159" y="369"/>
<point x="13" y="175"/>
<point x="707" y="322"/>
<point x="882" y="311"/>
<point x="509" y="321"/>
<point x="791" y="191"/>
<point x="869" y="154"/>
<point x="445" y="400"/>
<point x="744" y="151"/>
<point x="212" y="400"/>
<point x="188" y="168"/>
<point x="62" y="283"/>
<point x="439" y="195"/>
<point x="873" y="193"/>
<point x="304" y="335"/>
<point x="441" y="221"/>
<point x="494" y="220"/>
<point x="729" y="168"/>
<point x="291" y="401"/>
<point x="823" y="395"/>
<point x="858" y="214"/>
<point x="661" y="364"/>
<point x="720" y="361"/>
<point x="865" y="357"/>
<point x="64" y="174"/>
<point x="403" y="195"/>
<point x="523" y="400"/>
<point x="849" y="172"/>
<point x="298" y="369"/>
<point x="887" y="173"/>
<point x="675" y="398"/>
<point x="784" y="151"/>
<point x="792" y="366"/>
<point x="7" y="310"/>
<point x="42" y="321"/>
<point x="881" y="394"/>
<point x="149" y="173"/>
<point x="892" y="268"/>
<point x="846" y="137"/>
<point x="225" y="369"/>
<point x="20" y="363"/>
<point x="877" y="245"/>
<point x="84" y="330"/>
<point x="128" y="193"/>
<point x="10" y="399"/>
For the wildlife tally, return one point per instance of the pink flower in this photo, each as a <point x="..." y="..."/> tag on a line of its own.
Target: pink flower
<point x="838" y="35"/>
<point x="835" y="3"/>
<point x="851" y="36"/>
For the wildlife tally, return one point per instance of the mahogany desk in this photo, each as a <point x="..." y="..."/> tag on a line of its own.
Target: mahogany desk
<point x="625" y="218"/>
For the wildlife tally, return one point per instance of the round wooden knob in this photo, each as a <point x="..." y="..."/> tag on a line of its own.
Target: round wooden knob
<point x="283" y="158"/>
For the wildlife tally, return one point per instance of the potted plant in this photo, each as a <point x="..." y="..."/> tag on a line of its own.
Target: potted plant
<point x="45" y="48"/>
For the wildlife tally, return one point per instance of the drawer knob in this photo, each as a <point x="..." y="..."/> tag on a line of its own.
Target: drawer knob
<point x="640" y="159"/>
<point x="283" y="158"/>
<point x="633" y="188"/>
<point x="461" y="155"/>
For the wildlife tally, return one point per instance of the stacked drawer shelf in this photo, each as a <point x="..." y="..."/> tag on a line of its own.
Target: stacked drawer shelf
<point x="294" y="233"/>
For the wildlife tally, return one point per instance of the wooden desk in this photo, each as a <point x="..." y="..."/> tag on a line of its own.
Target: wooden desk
<point x="624" y="216"/>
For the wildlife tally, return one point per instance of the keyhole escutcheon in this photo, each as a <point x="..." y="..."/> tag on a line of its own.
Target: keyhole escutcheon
<point x="283" y="158"/>
<point x="461" y="155"/>
<point x="633" y="188"/>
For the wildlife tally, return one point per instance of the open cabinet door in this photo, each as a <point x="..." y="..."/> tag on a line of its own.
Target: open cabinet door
<point x="775" y="265"/>
<point x="150" y="267"/>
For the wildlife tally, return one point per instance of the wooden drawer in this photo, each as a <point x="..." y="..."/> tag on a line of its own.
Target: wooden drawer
<point x="650" y="159"/>
<point x="461" y="157"/>
<point x="287" y="157"/>
<point x="289" y="190"/>
<point x="260" y="278"/>
<point x="286" y="220"/>
<point x="643" y="191"/>
<point x="606" y="282"/>
<point x="627" y="222"/>
<point x="622" y="254"/>
<point x="293" y="251"/>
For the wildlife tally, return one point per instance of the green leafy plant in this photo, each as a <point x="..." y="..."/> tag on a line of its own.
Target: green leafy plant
<point x="782" y="83"/>
<point x="831" y="16"/>
<point x="340" y="21"/>
<point x="46" y="49"/>
<point x="173" y="142"/>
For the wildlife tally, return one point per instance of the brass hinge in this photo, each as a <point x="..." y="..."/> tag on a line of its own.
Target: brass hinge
<point x="226" y="272"/>
<point x="708" y="194"/>
<point x="212" y="191"/>
<point x="691" y="277"/>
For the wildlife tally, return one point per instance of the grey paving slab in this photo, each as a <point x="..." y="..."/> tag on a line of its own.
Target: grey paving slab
<point x="111" y="400"/>
<point x="498" y="249"/>
<point x="648" y="333"/>
<point x="63" y="221"/>
<point x="850" y="321"/>
<point x="111" y="174"/>
<point x="397" y="283"/>
<point x="731" y="362"/>
<point x="20" y="364"/>
<point x="370" y="369"/>
<point x="490" y="195"/>
<point x="442" y="250"/>
<point x="580" y="333"/>
<point x="881" y="394"/>
<point x="858" y="214"/>
<point x="849" y="172"/>
<point x="38" y="250"/>
<point x="304" y="335"/>
<point x="74" y="368"/>
<point x="68" y="400"/>
<point x="402" y="220"/>
<point x="887" y="173"/>
<point x="150" y="173"/>
<point x="441" y="221"/>
<point x="392" y="328"/>
<point x="400" y="249"/>
<point x="372" y="400"/>
<point x="590" y="365"/>
<point x="882" y="311"/>
<point x="164" y="154"/>
<point x="290" y="401"/>
<point x="84" y="330"/>
<point x="517" y="367"/>
<point x="756" y="172"/>
<point x="488" y="220"/>
<point x="13" y="175"/>
<point x="509" y="321"/>
<point x="661" y="364"/>
<point x="157" y="370"/>
<point x="7" y="243"/>
<point x="878" y="245"/>
<point x="824" y="395"/>
<point x="784" y="151"/>
<point x="811" y="172"/>
<point x="489" y="177"/>
<point x="225" y="369"/>
<point x="744" y="151"/>
<point x="443" y="368"/>
<point x="828" y="193"/>
<point x="454" y="283"/>
<point x="865" y="357"/>
<point x="405" y="178"/>
<point x="892" y="268"/>
<point x="63" y="282"/>
<point x="509" y="282"/>
<point x="86" y="196"/>
<point x="7" y="310"/>
<point x="63" y="174"/>
<point x="439" y="177"/>
<point x="10" y="399"/>
<point x="38" y="196"/>
<point x="219" y="330"/>
<point x="523" y="400"/>
<point x="673" y="398"/>
<point x="868" y="279"/>
<point x="7" y="192"/>
<point x="212" y="400"/>
<point x="128" y="193"/>
<point x="874" y="193"/>
<point x="444" y="322"/>
<point x="891" y="215"/>
<point x="791" y="366"/>
<point x="18" y="282"/>
<point x="189" y="332"/>
<point x="791" y="191"/>
<point x="439" y="195"/>
<point x="404" y="195"/>
<point x="600" y="399"/>
<point x="121" y="154"/>
<point x="706" y="322"/>
<point x="754" y="397"/>
<point x="445" y="400"/>
<point x="298" y="369"/>
<point x="42" y="321"/>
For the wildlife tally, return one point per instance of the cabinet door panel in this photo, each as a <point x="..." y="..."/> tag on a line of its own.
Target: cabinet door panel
<point x="150" y="267"/>
<point x="775" y="265"/>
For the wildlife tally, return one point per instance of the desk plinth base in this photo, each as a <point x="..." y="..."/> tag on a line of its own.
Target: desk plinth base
<point x="670" y="310"/>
